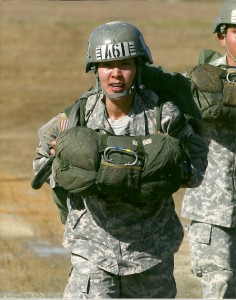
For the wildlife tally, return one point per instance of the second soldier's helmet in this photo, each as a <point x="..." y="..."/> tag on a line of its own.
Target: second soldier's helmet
<point x="227" y="15"/>
<point x="115" y="41"/>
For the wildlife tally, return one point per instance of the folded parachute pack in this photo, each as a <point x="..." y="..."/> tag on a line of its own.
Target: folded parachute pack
<point x="214" y="90"/>
<point x="89" y="162"/>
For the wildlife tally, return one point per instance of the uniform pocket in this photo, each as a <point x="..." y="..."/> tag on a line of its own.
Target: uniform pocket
<point x="77" y="286"/>
<point x="200" y="232"/>
<point x="83" y="282"/>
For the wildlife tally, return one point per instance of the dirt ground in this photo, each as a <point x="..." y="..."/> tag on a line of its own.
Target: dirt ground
<point x="42" y="51"/>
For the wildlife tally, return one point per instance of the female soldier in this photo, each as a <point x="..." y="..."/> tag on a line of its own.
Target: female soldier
<point x="124" y="248"/>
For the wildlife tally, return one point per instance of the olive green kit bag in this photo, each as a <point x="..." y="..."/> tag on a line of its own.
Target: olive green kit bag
<point x="214" y="88"/>
<point x="144" y="167"/>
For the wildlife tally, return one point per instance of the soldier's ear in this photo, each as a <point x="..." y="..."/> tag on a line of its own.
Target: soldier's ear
<point x="221" y="38"/>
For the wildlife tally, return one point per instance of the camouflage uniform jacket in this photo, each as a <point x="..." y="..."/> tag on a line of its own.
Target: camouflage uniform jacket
<point x="214" y="201"/>
<point x="117" y="234"/>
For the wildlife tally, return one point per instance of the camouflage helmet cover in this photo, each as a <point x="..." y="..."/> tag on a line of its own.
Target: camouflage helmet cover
<point x="116" y="41"/>
<point x="227" y="15"/>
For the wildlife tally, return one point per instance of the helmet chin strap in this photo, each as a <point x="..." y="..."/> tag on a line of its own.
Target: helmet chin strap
<point x="118" y="95"/>
<point x="230" y="54"/>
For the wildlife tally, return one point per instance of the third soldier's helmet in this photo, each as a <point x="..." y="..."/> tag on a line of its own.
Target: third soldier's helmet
<point x="227" y="15"/>
<point x="115" y="41"/>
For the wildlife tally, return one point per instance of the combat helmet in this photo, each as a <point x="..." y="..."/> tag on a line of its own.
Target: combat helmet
<point x="116" y="41"/>
<point x="227" y="16"/>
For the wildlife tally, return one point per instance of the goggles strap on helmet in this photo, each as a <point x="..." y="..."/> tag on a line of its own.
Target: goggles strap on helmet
<point x="139" y="76"/>
<point x="223" y="30"/>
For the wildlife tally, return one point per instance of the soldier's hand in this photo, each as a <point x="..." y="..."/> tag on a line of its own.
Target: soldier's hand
<point x="52" y="148"/>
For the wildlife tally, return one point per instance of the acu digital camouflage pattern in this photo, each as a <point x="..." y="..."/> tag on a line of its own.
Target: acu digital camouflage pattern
<point x="213" y="255"/>
<point x="117" y="235"/>
<point x="89" y="281"/>
<point x="212" y="206"/>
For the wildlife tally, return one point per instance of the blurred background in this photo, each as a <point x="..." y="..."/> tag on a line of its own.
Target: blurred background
<point x="42" y="62"/>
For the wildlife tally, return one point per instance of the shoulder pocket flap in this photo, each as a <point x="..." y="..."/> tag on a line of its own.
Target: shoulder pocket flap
<point x="200" y="232"/>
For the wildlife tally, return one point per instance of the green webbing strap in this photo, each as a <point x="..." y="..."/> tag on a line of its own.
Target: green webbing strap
<point x="103" y="142"/>
<point x="76" y="115"/>
<point x="141" y="151"/>
<point x="158" y="117"/>
<point x="76" y="112"/>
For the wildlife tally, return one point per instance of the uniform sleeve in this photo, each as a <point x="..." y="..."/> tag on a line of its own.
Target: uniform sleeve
<point x="194" y="145"/>
<point x="47" y="133"/>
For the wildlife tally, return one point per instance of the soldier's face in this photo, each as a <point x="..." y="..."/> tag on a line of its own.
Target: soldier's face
<point x="117" y="76"/>
<point x="230" y="42"/>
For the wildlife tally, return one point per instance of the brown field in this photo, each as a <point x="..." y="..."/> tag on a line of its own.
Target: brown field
<point x="42" y="52"/>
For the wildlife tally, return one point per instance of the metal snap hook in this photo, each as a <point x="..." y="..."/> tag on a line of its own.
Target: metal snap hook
<point x="230" y="77"/>
<point x="124" y="150"/>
